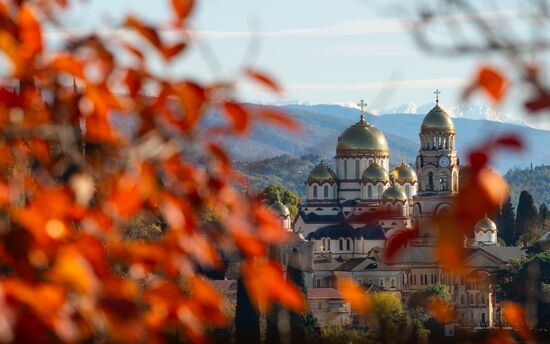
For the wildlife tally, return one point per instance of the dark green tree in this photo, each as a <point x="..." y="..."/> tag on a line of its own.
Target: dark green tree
<point x="275" y="313"/>
<point x="273" y="192"/>
<point x="247" y="317"/>
<point x="506" y="222"/>
<point x="303" y="326"/>
<point x="528" y="229"/>
<point x="544" y="215"/>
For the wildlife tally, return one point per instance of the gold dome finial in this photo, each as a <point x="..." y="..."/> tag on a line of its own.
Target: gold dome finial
<point x="437" y="92"/>
<point x="362" y="105"/>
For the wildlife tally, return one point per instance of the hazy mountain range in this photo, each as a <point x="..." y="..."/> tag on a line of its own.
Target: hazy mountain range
<point x="322" y="124"/>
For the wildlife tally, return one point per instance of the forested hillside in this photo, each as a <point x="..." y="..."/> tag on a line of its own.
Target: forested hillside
<point x="536" y="180"/>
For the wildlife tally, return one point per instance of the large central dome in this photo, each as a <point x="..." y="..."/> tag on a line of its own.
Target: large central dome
<point x="361" y="138"/>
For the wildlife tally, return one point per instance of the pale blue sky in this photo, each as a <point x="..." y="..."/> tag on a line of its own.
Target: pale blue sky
<point x="321" y="51"/>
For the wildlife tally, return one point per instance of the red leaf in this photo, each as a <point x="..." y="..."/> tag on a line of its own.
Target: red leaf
<point x="238" y="116"/>
<point x="144" y="30"/>
<point x="538" y="103"/>
<point x="133" y="81"/>
<point x="264" y="80"/>
<point x="478" y="159"/>
<point x="398" y="241"/>
<point x="169" y="52"/>
<point x="182" y="8"/>
<point x="493" y="82"/>
<point x="514" y="314"/>
<point x="510" y="141"/>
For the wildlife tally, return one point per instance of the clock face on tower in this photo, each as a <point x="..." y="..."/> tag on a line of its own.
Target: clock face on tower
<point x="444" y="161"/>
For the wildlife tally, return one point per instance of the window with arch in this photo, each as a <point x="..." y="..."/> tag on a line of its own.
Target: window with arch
<point x="357" y="168"/>
<point x="341" y="244"/>
<point x="369" y="191"/>
<point x="348" y="244"/>
<point x="314" y="191"/>
<point x="380" y="190"/>
<point x="455" y="181"/>
<point x="345" y="169"/>
<point x="328" y="244"/>
<point x="408" y="191"/>
<point x="443" y="181"/>
<point x="430" y="181"/>
<point x="325" y="191"/>
<point x="323" y="247"/>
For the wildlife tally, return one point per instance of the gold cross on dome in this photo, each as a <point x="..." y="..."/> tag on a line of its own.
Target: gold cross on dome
<point x="437" y="93"/>
<point x="362" y="106"/>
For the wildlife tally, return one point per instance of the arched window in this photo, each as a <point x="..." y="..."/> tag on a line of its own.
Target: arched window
<point x="357" y="169"/>
<point x="455" y="181"/>
<point x="430" y="181"/>
<point x="369" y="191"/>
<point x="345" y="169"/>
<point x="325" y="191"/>
<point x="443" y="182"/>
<point x="328" y="244"/>
<point x="380" y="190"/>
<point x="462" y="299"/>
<point x="348" y="244"/>
<point x="323" y="247"/>
<point x="408" y="191"/>
<point x="341" y="244"/>
<point x="314" y="191"/>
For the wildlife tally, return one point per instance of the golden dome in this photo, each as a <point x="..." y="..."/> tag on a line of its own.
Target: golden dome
<point x="280" y="209"/>
<point x="403" y="173"/>
<point x="438" y="119"/>
<point x="393" y="194"/>
<point x="485" y="225"/>
<point x="361" y="137"/>
<point x="374" y="174"/>
<point x="321" y="174"/>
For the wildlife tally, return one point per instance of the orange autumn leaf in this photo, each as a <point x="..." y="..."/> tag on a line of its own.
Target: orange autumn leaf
<point x="266" y="284"/>
<point x="264" y="80"/>
<point x="514" y="314"/>
<point x="492" y="81"/>
<point x="75" y="272"/>
<point x="67" y="64"/>
<point x="182" y="8"/>
<point x="238" y="116"/>
<point x="280" y="120"/>
<point x="441" y="310"/>
<point x="171" y="51"/>
<point x="359" y="300"/>
<point x="147" y="32"/>
<point x="30" y="33"/>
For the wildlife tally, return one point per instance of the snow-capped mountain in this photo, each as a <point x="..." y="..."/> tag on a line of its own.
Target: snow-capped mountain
<point x="469" y="111"/>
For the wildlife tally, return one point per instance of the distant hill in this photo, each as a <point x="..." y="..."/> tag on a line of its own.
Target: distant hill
<point x="323" y="123"/>
<point x="535" y="180"/>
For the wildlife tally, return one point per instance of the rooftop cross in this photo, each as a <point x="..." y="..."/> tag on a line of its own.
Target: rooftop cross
<point x="437" y="93"/>
<point x="362" y="106"/>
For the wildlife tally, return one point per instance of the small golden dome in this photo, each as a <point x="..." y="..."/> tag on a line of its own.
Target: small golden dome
<point x="438" y="119"/>
<point x="403" y="173"/>
<point x="321" y="174"/>
<point x="361" y="137"/>
<point x="485" y="225"/>
<point x="280" y="209"/>
<point x="393" y="194"/>
<point x="374" y="174"/>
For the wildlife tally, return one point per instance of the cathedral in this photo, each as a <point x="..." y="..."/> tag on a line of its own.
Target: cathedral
<point x="351" y="213"/>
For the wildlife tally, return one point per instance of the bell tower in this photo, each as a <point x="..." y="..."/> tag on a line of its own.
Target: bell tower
<point x="437" y="168"/>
